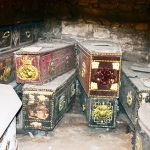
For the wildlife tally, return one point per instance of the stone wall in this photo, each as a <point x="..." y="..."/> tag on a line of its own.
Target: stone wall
<point x="134" y="38"/>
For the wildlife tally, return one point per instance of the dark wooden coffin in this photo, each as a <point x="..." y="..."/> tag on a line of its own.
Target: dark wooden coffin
<point x="7" y="67"/>
<point x="100" y="112"/>
<point x="44" y="105"/>
<point x="134" y="89"/>
<point x="42" y="62"/>
<point x="99" y="65"/>
<point x="5" y="38"/>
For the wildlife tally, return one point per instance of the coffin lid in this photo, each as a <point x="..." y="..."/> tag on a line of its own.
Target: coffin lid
<point x="136" y="77"/>
<point x="97" y="46"/>
<point x="54" y="84"/>
<point x="144" y="118"/>
<point x="9" y="106"/>
<point x="43" y="47"/>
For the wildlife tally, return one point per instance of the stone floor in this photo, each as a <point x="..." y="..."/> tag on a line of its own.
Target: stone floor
<point x="72" y="133"/>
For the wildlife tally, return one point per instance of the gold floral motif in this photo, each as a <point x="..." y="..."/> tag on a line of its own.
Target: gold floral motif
<point x="129" y="98"/>
<point x="138" y="143"/>
<point x="95" y="65"/>
<point x="116" y="66"/>
<point x="7" y="73"/>
<point x="114" y="86"/>
<point x="102" y="112"/>
<point x="27" y="72"/>
<point x="61" y="102"/>
<point x="94" y="86"/>
<point x="51" y="67"/>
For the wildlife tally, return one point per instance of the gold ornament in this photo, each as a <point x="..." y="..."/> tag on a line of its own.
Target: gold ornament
<point x="138" y="144"/>
<point x="102" y="112"/>
<point x="27" y="72"/>
<point x="61" y="102"/>
<point x="129" y="98"/>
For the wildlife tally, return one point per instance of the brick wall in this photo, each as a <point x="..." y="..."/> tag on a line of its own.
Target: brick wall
<point x="14" y="11"/>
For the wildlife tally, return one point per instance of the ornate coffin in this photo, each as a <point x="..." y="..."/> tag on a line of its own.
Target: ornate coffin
<point x="134" y="89"/>
<point x="142" y="132"/>
<point x="99" y="64"/>
<point x="5" y="38"/>
<point x="41" y="62"/>
<point x="44" y="105"/>
<point x="7" y="67"/>
<point x="100" y="112"/>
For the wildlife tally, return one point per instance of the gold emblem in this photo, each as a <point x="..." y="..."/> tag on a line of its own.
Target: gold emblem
<point x="27" y="71"/>
<point x="95" y="65"/>
<point x="102" y="112"/>
<point x="116" y="66"/>
<point x="61" y="102"/>
<point x="129" y="98"/>
<point x="138" y="144"/>
<point x="83" y="108"/>
<point x="6" y="73"/>
<point x="51" y="67"/>
<point x="114" y="86"/>
<point x="94" y="86"/>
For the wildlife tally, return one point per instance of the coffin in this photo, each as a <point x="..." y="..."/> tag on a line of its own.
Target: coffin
<point x="41" y="62"/>
<point x="99" y="67"/>
<point x="44" y="105"/>
<point x="100" y="112"/>
<point x="134" y="89"/>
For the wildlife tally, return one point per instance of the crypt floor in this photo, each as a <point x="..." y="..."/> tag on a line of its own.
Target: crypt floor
<point x="72" y="133"/>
